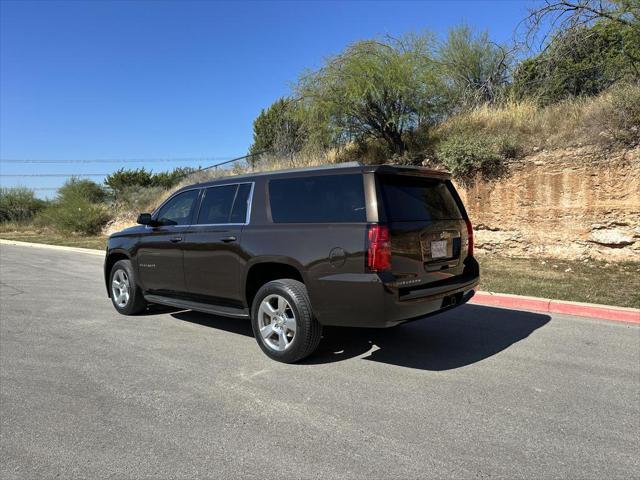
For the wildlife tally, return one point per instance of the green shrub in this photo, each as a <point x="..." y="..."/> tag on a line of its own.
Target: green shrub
<point x="75" y="188"/>
<point x="169" y="179"/>
<point x="75" y="215"/>
<point x="18" y="204"/>
<point x="467" y="155"/>
<point x="124" y="180"/>
<point x="78" y="208"/>
<point x="622" y="119"/>
<point x="509" y="146"/>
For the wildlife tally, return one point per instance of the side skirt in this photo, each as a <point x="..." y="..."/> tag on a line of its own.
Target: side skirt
<point x="198" y="306"/>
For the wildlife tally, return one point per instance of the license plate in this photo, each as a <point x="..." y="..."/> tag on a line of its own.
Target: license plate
<point x="439" y="249"/>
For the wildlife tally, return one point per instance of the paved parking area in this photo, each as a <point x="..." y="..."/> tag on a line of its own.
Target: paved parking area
<point x="475" y="392"/>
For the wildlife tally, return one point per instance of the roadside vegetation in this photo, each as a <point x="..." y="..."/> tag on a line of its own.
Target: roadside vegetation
<point x="30" y="233"/>
<point x="463" y="103"/>
<point x="592" y="281"/>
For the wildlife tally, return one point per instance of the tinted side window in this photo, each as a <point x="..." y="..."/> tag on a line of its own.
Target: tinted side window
<point x="241" y="204"/>
<point x="178" y="210"/>
<point x="318" y="199"/>
<point x="216" y="204"/>
<point x="225" y="204"/>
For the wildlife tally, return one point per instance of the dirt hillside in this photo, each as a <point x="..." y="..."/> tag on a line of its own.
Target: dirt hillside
<point x="571" y="203"/>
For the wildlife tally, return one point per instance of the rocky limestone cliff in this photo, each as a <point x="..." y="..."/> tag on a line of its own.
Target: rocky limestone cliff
<point x="571" y="203"/>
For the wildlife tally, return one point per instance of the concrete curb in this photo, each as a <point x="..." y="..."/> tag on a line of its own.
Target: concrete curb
<point x="504" y="300"/>
<point x="589" y="310"/>
<point x="90" y="251"/>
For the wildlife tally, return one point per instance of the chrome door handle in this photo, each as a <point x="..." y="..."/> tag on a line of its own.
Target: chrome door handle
<point x="175" y="239"/>
<point x="228" y="239"/>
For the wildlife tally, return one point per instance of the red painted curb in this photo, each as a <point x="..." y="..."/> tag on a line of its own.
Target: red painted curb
<point x="589" y="310"/>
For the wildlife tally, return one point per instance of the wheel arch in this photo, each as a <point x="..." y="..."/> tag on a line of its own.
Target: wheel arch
<point x="112" y="257"/>
<point x="266" y="269"/>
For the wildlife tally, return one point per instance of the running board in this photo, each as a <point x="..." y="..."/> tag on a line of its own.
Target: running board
<point x="198" y="306"/>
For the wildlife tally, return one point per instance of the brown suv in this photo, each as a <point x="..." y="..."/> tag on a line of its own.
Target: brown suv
<point x="347" y="245"/>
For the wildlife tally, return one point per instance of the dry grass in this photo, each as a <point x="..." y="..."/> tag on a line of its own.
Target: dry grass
<point x="592" y="282"/>
<point x="27" y="232"/>
<point x="573" y="122"/>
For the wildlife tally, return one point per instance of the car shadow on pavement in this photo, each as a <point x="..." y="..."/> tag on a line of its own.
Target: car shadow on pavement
<point x="156" y="309"/>
<point x="446" y="341"/>
<point x="241" y="326"/>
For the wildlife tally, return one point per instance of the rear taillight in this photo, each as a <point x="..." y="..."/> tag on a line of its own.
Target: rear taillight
<point x="379" y="249"/>
<point x="469" y="238"/>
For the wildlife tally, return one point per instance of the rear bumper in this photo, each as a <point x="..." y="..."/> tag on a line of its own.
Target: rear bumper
<point x="368" y="300"/>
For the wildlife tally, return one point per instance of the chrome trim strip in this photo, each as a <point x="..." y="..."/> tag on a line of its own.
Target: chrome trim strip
<point x="249" y="203"/>
<point x="247" y="217"/>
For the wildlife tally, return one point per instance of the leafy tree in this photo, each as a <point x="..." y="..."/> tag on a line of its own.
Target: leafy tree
<point x="281" y="129"/>
<point x="566" y="15"/>
<point x="584" y="60"/>
<point x="377" y="89"/>
<point x="475" y="69"/>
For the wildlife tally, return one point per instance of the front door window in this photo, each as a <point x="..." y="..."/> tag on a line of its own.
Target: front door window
<point x="179" y="209"/>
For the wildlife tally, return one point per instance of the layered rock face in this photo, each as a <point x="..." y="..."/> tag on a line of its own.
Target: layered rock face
<point x="573" y="203"/>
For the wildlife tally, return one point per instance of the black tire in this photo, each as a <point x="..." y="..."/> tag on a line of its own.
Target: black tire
<point x="135" y="303"/>
<point x="308" y="330"/>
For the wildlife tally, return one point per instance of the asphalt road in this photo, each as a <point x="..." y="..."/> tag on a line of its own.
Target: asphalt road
<point x="476" y="392"/>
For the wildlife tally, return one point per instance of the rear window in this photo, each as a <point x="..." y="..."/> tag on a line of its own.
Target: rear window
<point x="318" y="199"/>
<point x="410" y="199"/>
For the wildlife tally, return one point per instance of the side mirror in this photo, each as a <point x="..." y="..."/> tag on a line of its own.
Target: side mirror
<point x="145" y="219"/>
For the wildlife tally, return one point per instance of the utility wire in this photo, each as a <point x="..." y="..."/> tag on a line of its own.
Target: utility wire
<point x="215" y="166"/>
<point x="186" y="174"/>
<point x="112" y="160"/>
<point x="53" y="174"/>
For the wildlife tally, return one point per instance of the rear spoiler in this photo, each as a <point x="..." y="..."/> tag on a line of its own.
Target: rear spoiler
<point x="410" y="170"/>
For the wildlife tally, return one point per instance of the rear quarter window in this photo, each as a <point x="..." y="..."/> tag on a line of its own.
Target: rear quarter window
<point x="411" y="198"/>
<point x="318" y="199"/>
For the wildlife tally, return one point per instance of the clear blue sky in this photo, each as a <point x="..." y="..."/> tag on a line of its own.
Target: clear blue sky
<point x="130" y="80"/>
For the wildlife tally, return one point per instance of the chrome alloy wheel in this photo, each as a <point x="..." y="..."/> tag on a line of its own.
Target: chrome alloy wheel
<point x="120" y="288"/>
<point x="277" y="322"/>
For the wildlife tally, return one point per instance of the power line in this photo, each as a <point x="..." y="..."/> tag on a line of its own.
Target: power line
<point x="36" y="188"/>
<point x="69" y="175"/>
<point x="222" y="163"/>
<point x="112" y="160"/>
<point x="53" y="174"/>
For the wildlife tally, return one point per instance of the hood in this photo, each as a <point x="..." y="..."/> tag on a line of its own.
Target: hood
<point x="136" y="229"/>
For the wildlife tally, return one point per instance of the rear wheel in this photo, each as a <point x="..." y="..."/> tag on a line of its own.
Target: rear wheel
<point x="126" y="296"/>
<point x="282" y="321"/>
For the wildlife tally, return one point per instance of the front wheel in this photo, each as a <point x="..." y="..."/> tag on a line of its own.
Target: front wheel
<point x="125" y="293"/>
<point x="282" y="321"/>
